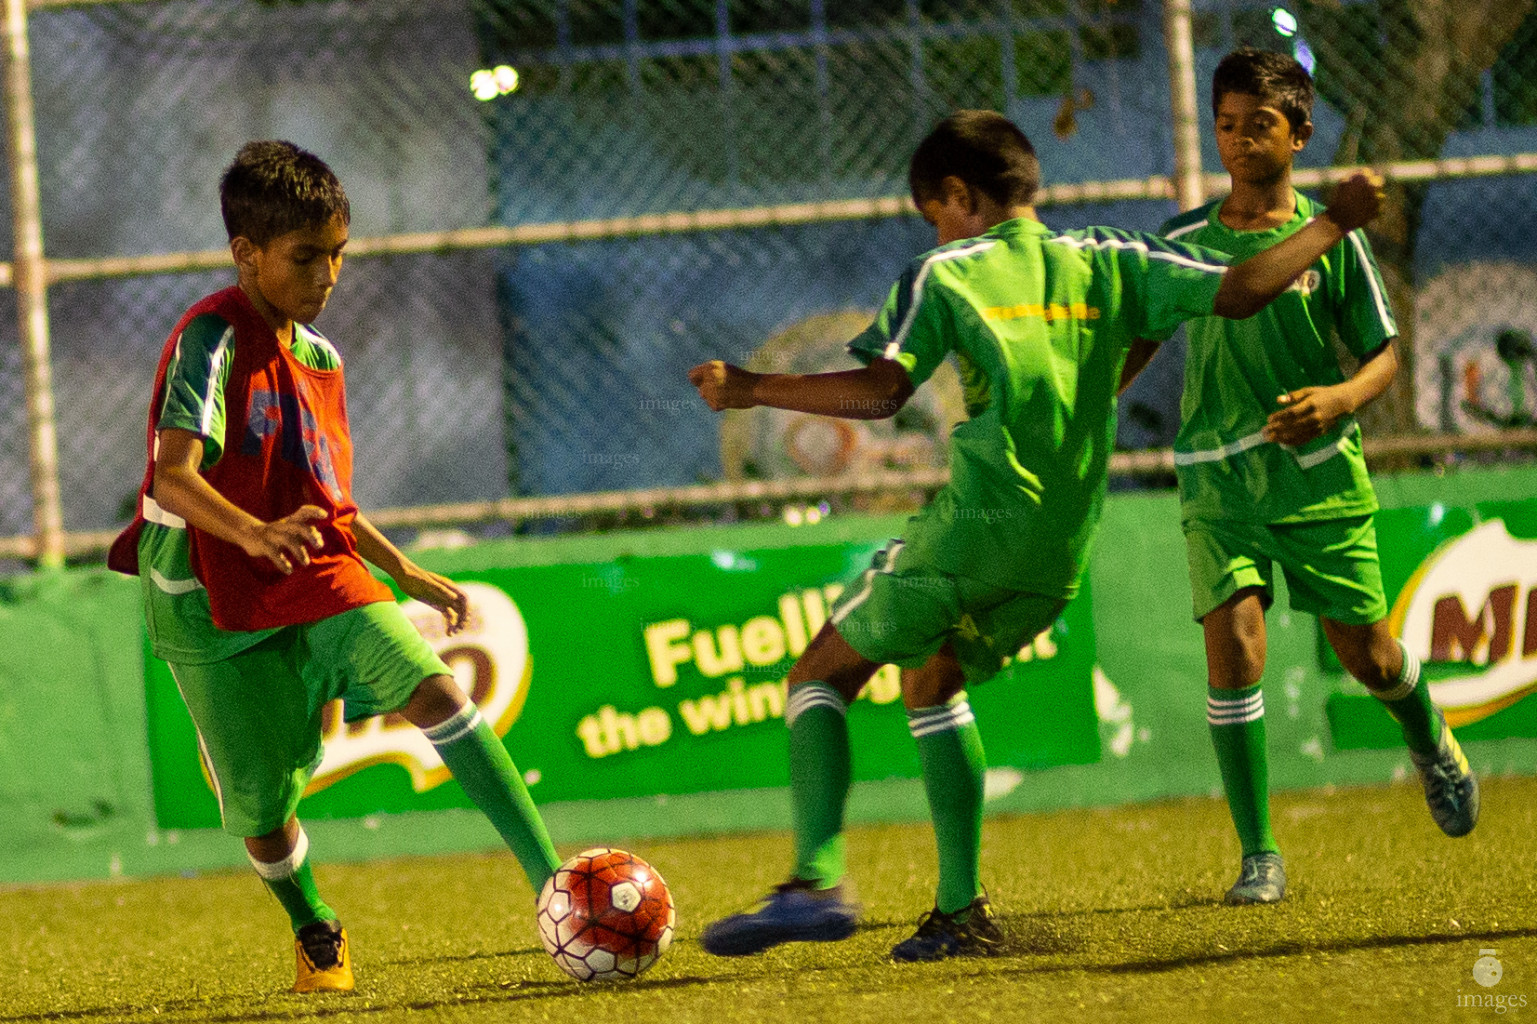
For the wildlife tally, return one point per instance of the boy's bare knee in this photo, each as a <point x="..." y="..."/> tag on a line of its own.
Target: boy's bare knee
<point x="934" y="683"/>
<point x="1369" y="652"/>
<point x="435" y="700"/>
<point x="829" y="659"/>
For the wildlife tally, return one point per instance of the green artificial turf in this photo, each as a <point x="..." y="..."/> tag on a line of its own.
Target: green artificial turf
<point x="1113" y="915"/>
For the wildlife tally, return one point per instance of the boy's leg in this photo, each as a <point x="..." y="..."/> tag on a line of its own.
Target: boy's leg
<point x="1334" y="572"/>
<point x="479" y="762"/>
<point x="376" y="661"/>
<point x="810" y="907"/>
<point x="991" y="625"/>
<point x="1235" y="713"/>
<point x="1384" y="666"/>
<point x="260" y="744"/>
<point x="281" y="858"/>
<point x="323" y="959"/>
<point x="1230" y="568"/>
<point x="954" y="766"/>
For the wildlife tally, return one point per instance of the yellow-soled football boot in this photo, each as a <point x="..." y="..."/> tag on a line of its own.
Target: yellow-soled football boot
<point x="324" y="961"/>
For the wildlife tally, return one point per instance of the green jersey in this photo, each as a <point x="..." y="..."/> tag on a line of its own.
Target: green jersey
<point x="1040" y="322"/>
<point x="1235" y="370"/>
<point x="181" y="628"/>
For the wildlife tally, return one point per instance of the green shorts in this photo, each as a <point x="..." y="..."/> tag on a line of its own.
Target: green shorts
<point x="902" y="611"/>
<point x="257" y="712"/>
<point x="1331" y="565"/>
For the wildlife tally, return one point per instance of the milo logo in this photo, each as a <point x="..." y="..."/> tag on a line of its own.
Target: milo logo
<point x="489" y="658"/>
<point x="1474" y="601"/>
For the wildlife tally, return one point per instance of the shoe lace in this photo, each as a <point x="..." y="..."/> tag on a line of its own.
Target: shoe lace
<point x="322" y="946"/>
<point x="934" y="922"/>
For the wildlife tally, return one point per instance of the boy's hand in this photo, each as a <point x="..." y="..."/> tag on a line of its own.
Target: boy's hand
<point x="1356" y="200"/>
<point x="440" y="592"/>
<point x="287" y="542"/>
<point x="723" y="386"/>
<point x="1305" y="414"/>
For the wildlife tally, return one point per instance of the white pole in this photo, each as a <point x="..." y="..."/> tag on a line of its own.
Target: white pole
<point x="1188" y="191"/>
<point x="30" y="275"/>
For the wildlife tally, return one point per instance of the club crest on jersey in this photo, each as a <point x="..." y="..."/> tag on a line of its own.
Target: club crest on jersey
<point x="1473" y="601"/>
<point x="1306" y="283"/>
<point x="300" y="440"/>
<point x="489" y="659"/>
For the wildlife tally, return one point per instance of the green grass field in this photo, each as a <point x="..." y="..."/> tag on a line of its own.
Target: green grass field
<point x="1113" y="915"/>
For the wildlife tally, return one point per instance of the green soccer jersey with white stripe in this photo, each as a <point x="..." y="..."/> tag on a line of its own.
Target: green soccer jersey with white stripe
<point x="1235" y="370"/>
<point x="181" y="629"/>
<point x="1040" y="322"/>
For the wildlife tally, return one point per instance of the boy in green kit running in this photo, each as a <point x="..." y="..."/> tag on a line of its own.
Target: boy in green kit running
<point x="250" y="550"/>
<point x="1040" y="322"/>
<point x="1271" y="472"/>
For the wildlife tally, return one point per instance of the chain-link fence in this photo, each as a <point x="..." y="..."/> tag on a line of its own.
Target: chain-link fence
<point x="569" y="202"/>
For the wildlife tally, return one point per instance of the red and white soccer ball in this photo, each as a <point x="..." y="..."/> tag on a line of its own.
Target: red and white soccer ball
<point x="604" y="915"/>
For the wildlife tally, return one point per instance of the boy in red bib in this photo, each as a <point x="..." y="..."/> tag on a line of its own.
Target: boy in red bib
<point x="251" y="554"/>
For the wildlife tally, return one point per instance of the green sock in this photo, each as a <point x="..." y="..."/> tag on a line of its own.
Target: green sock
<point x="292" y="882"/>
<point x="821" y="771"/>
<point x="484" y="770"/>
<point x="950" y="750"/>
<point x="1409" y="704"/>
<point x="1237" y="721"/>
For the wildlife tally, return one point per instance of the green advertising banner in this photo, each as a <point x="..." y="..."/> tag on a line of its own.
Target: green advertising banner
<point x="649" y="675"/>
<point x="1462" y="583"/>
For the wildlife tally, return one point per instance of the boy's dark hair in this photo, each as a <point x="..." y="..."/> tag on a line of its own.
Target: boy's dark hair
<point x="985" y="150"/>
<point x="1275" y="78"/>
<point x="274" y="187"/>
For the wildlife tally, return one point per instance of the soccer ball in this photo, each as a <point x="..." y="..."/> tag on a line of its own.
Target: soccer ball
<point x="605" y="914"/>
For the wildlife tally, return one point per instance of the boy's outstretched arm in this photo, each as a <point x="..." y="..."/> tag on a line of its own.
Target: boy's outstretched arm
<point x="1249" y="285"/>
<point x="874" y="392"/>
<point x="427" y="587"/>
<point x="181" y="490"/>
<point x="1309" y="412"/>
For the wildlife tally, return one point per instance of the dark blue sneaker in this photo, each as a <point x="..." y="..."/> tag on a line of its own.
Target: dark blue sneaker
<point x="970" y="931"/>
<point x="1451" y="788"/>
<point x="1261" y="879"/>
<point x="796" y="911"/>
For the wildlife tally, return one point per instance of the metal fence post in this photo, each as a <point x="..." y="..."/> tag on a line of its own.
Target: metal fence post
<point x="31" y="280"/>
<point x="1188" y="190"/>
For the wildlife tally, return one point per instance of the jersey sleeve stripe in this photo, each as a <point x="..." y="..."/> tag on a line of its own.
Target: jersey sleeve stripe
<point x="1369" y="269"/>
<point x="215" y="365"/>
<point x="1187" y="229"/>
<point x="900" y="337"/>
<point x="320" y="341"/>
<point x="1179" y="259"/>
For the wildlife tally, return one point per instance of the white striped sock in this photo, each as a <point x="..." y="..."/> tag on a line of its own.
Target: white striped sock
<point x="1408" y="678"/>
<point x="276" y="871"/>
<point x="1235" y="711"/>
<point x="813" y="695"/>
<point x="927" y="721"/>
<point x="463" y="722"/>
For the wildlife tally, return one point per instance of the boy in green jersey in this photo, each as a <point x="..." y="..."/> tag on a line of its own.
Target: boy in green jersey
<point x="1270" y="466"/>
<point x="1040" y="322"/>
<point x="250" y="551"/>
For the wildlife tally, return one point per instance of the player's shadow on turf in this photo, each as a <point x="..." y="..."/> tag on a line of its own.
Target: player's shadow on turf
<point x="187" y="1011"/>
<point x="454" y="958"/>
<point x="1158" y="965"/>
<point x="1026" y="934"/>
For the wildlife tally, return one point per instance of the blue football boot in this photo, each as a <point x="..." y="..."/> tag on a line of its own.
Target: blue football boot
<point x="796" y="911"/>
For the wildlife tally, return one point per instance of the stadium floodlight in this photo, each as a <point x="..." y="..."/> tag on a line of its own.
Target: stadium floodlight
<point x="489" y="83"/>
